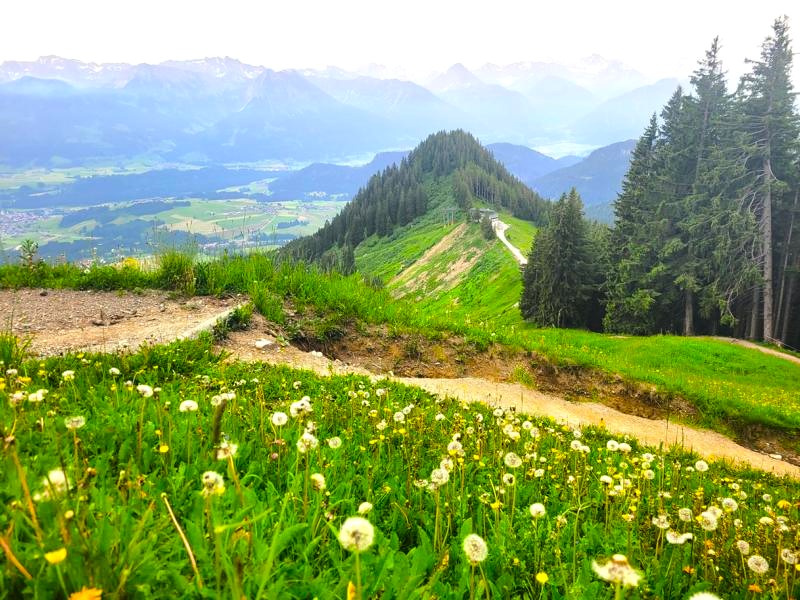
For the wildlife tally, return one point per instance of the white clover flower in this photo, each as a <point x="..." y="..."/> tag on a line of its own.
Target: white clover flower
<point x="213" y="484"/>
<point x="512" y="460"/>
<point x="335" y="442"/>
<point x="685" y="515"/>
<point x="226" y="450"/>
<point x="758" y="564"/>
<point x="356" y="534"/>
<point x="74" y="422"/>
<point x="114" y="371"/>
<point x="318" y="481"/>
<point x="439" y="477"/>
<point x="475" y="548"/>
<point x="399" y="417"/>
<point x="364" y="508"/>
<point x="701" y="466"/>
<point x="188" y="406"/>
<point x="279" y="419"/>
<point x="617" y="570"/>
<point x="307" y="442"/>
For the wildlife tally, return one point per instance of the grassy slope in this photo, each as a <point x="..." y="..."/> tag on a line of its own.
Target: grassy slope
<point x="723" y="380"/>
<point x="486" y="293"/>
<point x="266" y="528"/>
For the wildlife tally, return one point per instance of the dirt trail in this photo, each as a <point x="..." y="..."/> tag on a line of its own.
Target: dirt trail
<point x="764" y="349"/>
<point x="500" y="229"/>
<point x="655" y="432"/>
<point x="60" y="321"/>
<point x="63" y="321"/>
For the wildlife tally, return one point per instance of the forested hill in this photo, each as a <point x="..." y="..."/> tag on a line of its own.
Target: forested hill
<point x="398" y="195"/>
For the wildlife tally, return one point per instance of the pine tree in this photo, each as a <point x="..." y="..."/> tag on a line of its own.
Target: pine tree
<point x="772" y="123"/>
<point x="557" y="281"/>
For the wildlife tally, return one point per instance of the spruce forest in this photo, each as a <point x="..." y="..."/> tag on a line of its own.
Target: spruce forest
<point x="705" y="238"/>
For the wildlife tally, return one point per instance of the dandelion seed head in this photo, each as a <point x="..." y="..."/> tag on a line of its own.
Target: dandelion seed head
<point x="475" y="548"/>
<point x="758" y="564"/>
<point x="187" y="406"/>
<point x="356" y="534"/>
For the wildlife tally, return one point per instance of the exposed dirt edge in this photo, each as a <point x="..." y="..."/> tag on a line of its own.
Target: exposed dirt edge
<point x="410" y="355"/>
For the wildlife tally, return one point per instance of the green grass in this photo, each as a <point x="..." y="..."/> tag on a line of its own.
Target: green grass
<point x="731" y="385"/>
<point x="132" y="515"/>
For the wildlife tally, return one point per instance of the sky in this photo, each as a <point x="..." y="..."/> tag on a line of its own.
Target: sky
<point x="659" y="39"/>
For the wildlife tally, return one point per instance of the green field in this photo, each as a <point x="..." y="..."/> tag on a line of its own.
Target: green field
<point x="170" y="473"/>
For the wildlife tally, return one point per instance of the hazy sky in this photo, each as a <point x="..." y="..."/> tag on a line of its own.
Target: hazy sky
<point x="658" y="38"/>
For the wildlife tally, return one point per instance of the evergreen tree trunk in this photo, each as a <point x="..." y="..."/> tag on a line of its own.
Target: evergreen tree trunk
<point x="787" y="308"/>
<point x="688" y="312"/>
<point x="781" y="315"/>
<point x="767" y="233"/>
<point x="752" y="329"/>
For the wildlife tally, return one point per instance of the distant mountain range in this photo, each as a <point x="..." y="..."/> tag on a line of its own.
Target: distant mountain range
<point x="597" y="177"/>
<point x="60" y="112"/>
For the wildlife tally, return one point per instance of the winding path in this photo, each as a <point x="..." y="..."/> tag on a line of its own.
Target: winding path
<point x="653" y="432"/>
<point x="500" y="229"/>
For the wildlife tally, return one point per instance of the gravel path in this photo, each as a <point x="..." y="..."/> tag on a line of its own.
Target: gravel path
<point x="60" y="321"/>
<point x="654" y="432"/>
<point x="760" y="348"/>
<point x="500" y="230"/>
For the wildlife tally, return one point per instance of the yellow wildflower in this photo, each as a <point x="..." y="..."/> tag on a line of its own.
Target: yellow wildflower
<point x="87" y="594"/>
<point x="56" y="556"/>
<point x="542" y="577"/>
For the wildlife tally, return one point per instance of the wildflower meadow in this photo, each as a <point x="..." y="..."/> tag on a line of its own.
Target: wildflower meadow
<point x="172" y="473"/>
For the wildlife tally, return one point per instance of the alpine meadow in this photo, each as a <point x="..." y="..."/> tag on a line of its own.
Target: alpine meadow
<point x="514" y="327"/>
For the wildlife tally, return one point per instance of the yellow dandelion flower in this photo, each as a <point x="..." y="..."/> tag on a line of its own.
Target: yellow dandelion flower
<point x="542" y="577"/>
<point x="56" y="556"/>
<point x="87" y="594"/>
<point x="163" y="448"/>
<point x="784" y="504"/>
